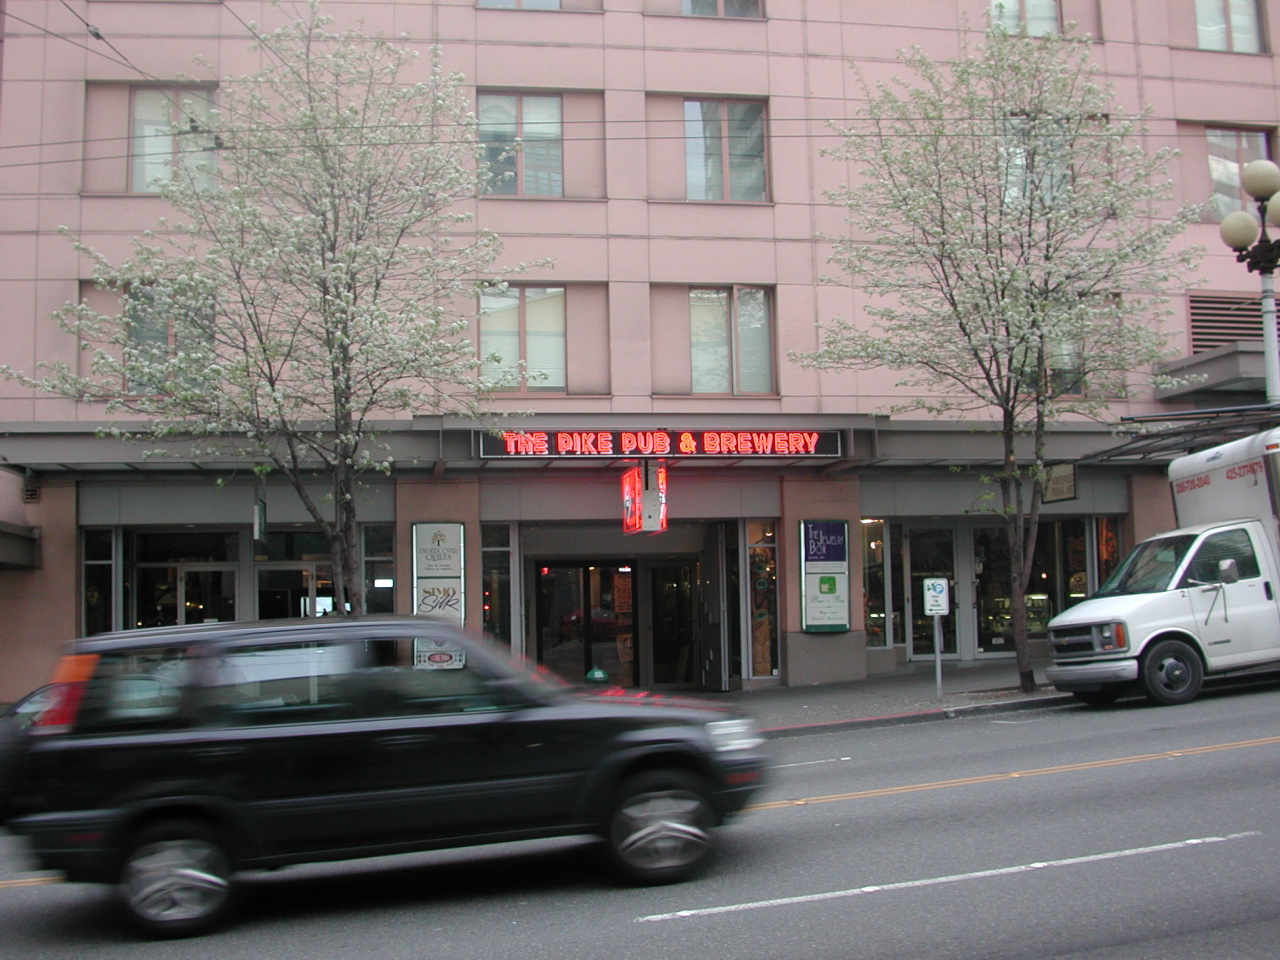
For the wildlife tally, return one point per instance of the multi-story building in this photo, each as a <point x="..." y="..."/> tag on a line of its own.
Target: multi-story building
<point x="663" y="324"/>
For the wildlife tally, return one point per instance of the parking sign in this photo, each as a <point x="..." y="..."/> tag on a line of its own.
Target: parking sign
<point x="937" y="597"/>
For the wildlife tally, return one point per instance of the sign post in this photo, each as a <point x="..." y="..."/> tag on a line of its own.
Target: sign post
<point x="937" y="604"/>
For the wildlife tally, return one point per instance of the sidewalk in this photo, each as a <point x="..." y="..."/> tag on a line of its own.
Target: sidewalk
<point x="907" y="696"/>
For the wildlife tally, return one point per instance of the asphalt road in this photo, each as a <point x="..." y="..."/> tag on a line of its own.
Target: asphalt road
<point x="1123" y="834"/>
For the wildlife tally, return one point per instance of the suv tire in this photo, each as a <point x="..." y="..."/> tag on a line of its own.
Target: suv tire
<point x="659" y="827"/>
<point x="175" y="879"/>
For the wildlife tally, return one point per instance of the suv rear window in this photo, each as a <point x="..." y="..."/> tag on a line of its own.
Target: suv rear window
<point x="136" y="690"/>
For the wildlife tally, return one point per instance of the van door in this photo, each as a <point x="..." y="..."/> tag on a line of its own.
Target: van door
<point x="1237" y="622"/>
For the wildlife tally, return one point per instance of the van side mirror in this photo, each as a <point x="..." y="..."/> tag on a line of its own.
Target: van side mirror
<point x="1228" y="572"/>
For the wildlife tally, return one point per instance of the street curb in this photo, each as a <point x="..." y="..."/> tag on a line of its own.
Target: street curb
<point x="919" y="716"/>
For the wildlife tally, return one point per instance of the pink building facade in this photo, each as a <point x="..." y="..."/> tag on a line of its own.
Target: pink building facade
<point x="801" y="515"/>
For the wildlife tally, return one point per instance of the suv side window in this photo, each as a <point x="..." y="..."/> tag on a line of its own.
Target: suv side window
<point x="136" y="690"/>
<point x="284" y="683"/>
<point x="417" y="676"/>
<point x="1227" y="545"/>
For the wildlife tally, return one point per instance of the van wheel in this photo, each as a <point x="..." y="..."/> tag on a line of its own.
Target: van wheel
<point x="1172" y="673"/>
<point x="1102" y="697"/>
<point x="659" y="828"/>
<point x="176" y="879"/>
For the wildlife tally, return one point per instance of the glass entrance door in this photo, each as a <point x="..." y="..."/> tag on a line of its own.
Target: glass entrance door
<point x="584" y="618"/>
<point x="181" y="594"/>
<point x="929" y="551"/>
<point x="674" y="596"/>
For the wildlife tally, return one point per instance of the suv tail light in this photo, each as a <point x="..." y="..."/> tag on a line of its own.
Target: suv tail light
<point x="72" y="675"/>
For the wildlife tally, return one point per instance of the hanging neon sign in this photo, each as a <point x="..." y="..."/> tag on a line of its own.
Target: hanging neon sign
<point x="644" y="498"/>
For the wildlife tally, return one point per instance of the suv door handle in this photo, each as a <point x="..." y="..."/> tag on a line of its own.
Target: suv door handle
<point x="217" y="753"/>
<point x="403" y="740"/>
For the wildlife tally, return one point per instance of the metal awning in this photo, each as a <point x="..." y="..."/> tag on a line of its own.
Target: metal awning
<point x="19" y="547"/>
<point x="1162" y="437"/>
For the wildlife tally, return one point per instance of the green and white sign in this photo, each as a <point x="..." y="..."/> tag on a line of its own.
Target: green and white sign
<point x="824" y="571"/>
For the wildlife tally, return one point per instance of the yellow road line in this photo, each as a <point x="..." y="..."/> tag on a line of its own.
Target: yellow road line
<point x="1015" y="775"/>
<point x="29" y="881"/>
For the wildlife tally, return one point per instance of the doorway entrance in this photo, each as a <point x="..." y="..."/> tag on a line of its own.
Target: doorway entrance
<point x="584" y="619"/>
<point x="183" y="594"/>
<point x="974" y="557"/>
<point x="929" y="551"/>
<point x="637" y="620"/>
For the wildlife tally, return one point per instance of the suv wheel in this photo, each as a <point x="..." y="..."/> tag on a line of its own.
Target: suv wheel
<point x="659" y="829"/>
<point x="176" y="879"/>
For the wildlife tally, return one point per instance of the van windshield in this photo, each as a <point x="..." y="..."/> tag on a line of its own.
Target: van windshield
<point x="1149" y="568"/>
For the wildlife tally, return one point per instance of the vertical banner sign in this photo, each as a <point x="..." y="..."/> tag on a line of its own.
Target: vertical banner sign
<point x="824" y="571"/>
<point x="644" y="498"/>
<point x="438" y="571"/>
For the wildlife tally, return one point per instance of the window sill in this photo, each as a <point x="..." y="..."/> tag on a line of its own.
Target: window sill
<point x="1232" y="53"/>
<point x="719" y="203"/>
<point x="531" y="197"/>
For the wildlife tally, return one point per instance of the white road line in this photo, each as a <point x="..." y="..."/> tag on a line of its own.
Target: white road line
<point x="810" y="763"/>
<point x="934" y="881"/>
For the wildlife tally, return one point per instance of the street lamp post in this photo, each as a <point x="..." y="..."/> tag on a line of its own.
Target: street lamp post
<point x="1247" y="235"/>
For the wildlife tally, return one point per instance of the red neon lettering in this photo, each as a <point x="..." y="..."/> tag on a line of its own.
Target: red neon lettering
<point x="711" y="442"/>
<point x="526" y="444"/>
<point x="647" y="442"/>
<point x="782" y="443"/>
<point x="763" y="442"/>
<point x="687" y="443"/>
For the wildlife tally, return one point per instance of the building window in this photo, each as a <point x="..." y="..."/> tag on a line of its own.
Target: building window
<point x="762" y="596"/>
<point x="524" y="324"/>
<point x="170" y="128"/>
<point x="495" y="557"/>
<point x="745" y="9"/>
<point x="1233" y="25"/>
<point x="148" y="341"/>
<point x="156" y="327"/>
<point x="524" y="145"/>
<point x="724" y="150"/>
<point x="1229" y="151"/>
<point x="731" y="340"/>
<point x="98" y="548"/>
<point x="877" y="583"/>
<point x="1065" y="369"/>
<point x="1035" y="152"/>
<point x="379" y="558"/>
<point x="519" y="4"/>
<point x="1034" y="17"/>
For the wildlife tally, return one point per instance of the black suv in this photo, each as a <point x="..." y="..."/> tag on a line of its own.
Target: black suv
<point x="174" y="757"/>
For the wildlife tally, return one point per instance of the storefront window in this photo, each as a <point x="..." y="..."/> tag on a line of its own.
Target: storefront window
<point x="379" y="567"/>
<point x="306" y="545"/>
<point x="762" y="592"/>
<point x="1107" y="532"/>
<point x="99" y="581"/>
<point x="874" y="582"/>
<point x="495" y="558"/>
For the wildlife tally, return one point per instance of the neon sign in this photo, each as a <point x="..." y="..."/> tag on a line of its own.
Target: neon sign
<point x="661" y="443"/>
<point x="644" y="498"/>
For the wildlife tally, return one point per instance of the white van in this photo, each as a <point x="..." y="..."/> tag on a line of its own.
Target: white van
<point x="1195" y="601"/>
